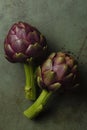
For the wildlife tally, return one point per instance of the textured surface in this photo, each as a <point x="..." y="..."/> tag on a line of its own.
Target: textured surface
<point x="64" y="23"/>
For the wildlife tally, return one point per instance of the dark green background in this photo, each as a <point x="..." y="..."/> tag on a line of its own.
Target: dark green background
<point x="64" y="23"/>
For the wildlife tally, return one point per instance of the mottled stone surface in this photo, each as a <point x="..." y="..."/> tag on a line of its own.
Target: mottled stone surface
<point x="64" y="23"/>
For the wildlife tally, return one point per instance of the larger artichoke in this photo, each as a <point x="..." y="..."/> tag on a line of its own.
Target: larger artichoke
<point x="58" y="71"/>
<point x="24" y="43"/>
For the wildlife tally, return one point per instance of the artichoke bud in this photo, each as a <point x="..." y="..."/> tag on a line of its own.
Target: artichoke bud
<point x="25" y="39"/>
<point x="60" y="69"/>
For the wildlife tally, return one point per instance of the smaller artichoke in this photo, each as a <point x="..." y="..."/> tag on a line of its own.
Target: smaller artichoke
<point x="24" y="43"/>
<point x="58" y="71"/>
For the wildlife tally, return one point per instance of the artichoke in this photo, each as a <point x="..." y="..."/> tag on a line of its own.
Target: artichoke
<point x="58" y="71"/>
<point x="24" y="43"/>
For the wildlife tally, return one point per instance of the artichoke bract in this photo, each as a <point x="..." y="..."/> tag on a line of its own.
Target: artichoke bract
<point x="24" y="43"/>
<point x="58" y="71"/>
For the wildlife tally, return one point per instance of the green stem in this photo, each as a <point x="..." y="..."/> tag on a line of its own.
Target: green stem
<point x="30" y="89"/>
<point x="38" y="105"/>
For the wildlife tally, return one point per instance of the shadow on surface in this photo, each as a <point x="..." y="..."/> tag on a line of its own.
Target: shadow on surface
<point x="65" y="103"/>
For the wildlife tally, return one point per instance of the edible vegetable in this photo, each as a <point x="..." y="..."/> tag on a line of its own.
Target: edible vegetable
<point x="58" y="71"/>
<point x="24" y="43"/>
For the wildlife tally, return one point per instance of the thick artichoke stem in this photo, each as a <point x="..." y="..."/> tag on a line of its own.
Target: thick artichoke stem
<point x="38" y="105"/>
<point x="30" y="89"/>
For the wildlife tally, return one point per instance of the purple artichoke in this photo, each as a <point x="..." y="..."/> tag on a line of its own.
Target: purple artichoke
<point x="59" y="68"/>
<point x="24" y="43"/>
<point x="58" y="71"/>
